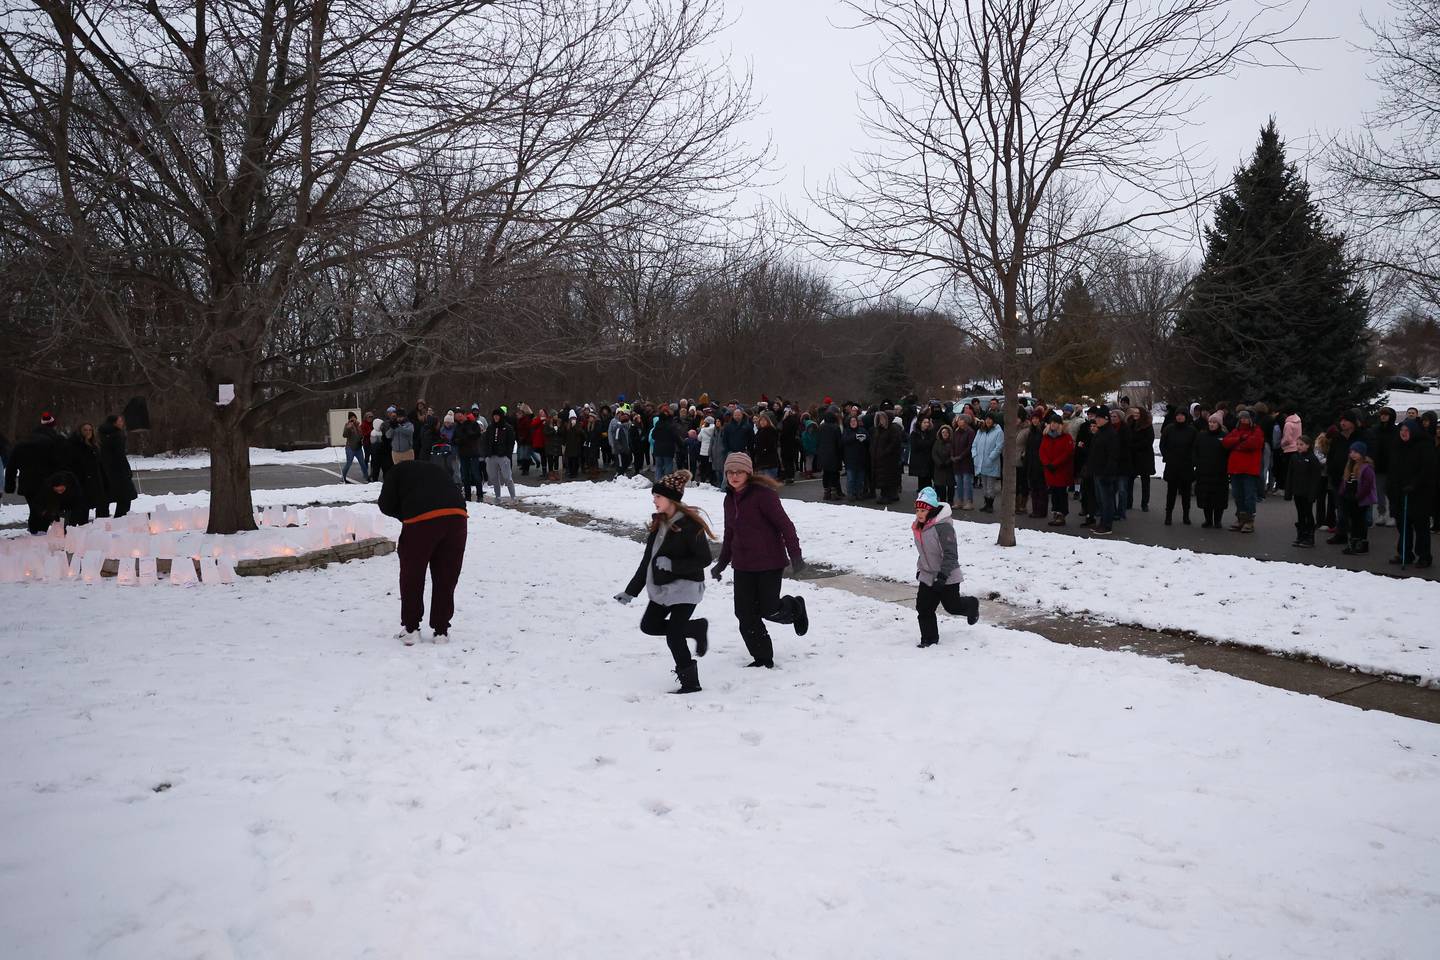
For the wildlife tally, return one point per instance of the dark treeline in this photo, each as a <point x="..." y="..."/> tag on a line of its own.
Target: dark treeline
<point x="658" y="324"/>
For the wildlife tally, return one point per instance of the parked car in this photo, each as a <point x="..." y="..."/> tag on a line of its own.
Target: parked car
<point x="1431" y="382"/>
<point x="1407" y="384"/>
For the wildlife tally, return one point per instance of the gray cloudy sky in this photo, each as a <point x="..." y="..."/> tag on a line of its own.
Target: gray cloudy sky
<point x="805" y="65"/>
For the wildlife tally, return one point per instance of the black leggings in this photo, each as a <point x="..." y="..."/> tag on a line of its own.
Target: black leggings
<point x="1174" y="488"/>
<point x="927" y="598"/>
<point x="674" y="624"/>
<point x="757" y="599"/>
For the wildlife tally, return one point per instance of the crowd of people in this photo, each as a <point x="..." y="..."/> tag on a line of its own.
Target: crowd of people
<point x="69" y="476"/>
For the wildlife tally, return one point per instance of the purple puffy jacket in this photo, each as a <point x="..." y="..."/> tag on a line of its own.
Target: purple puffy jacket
<point x="758" y="534"/>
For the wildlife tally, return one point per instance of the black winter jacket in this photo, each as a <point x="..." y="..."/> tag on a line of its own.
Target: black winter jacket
<point x="1411" y="485"/>
<point x="57" y="505"/>
<point x="1177" y="447"/>
<point x="1212" y="460"/>
<point x="1107" y="454"/>
<point x="499" y="439"/>
<point x="114" y="465"/>
<point x="1141" y="447"/>
<point x="766" y="453"/>
<point x="86" y="460"/>
<point x="885" y="456"/>
<point x="414" y="488"/>
<point x="32" y="461"/>
<point x="1307" y="475"/>
<point x="667" y="437"/>
<point x="468" y="436"/>
<point x="688" y="549"/>
<point x="829" y="451"/>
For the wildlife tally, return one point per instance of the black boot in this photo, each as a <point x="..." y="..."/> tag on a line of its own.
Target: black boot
<point x="689" y="674"/>
<point x="702" y="636"/>
<point x="802" y="618"/>
<point x="927" y="642"/>
<point x="1337" y="538"/>
<point x="1169" y="519"/>
<point x="1299" y="540"/>
<point x="970" y="606"/>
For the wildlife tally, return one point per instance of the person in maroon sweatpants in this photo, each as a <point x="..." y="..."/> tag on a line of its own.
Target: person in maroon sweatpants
<point x="423" y="496"/>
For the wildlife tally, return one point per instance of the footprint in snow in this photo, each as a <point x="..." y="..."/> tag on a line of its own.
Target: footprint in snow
<point x="659" y="807"/>
<point x="661" y="744"/>
<point x="752" y="737"/>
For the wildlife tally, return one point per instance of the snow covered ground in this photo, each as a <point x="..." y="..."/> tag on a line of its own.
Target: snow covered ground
<point x="259" y="456"/>
<point x="1376" y="624"/>
<point x="268" y="775"/>
<point x="1401" y="399"/>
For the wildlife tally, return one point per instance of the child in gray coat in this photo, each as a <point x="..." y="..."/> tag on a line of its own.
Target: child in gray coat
<point x="938" y="567"/>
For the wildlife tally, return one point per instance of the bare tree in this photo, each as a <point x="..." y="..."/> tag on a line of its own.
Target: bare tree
<point x="1389" y="175"/>
<point x="984" y="108"/>
<point x="226" y="190"/>
<point x="1140" y="291"/>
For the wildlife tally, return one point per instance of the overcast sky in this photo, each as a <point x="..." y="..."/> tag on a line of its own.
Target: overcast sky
<point x="805" y="65"/>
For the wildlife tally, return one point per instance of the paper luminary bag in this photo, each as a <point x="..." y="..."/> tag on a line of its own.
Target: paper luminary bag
<point x="90" y="566"/>
<point x="182" y="572"/>
<point x="55" y="567"/>
<point x="146" y="571"/>
<point x="225" y="568"/>
<point x="165" y="546"/>
<point x="125" y="572"/>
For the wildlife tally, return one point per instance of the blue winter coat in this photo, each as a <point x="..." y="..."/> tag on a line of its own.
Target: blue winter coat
<point x="987" y="449"/>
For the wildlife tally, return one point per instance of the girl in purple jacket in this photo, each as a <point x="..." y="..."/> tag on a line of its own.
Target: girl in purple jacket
<point x="1357" y="492"/>
<point x="758" y="539"/>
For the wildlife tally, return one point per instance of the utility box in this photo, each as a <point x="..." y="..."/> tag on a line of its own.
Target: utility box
<point x="336" y="420"/>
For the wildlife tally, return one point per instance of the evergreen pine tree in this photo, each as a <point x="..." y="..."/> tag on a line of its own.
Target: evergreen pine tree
<point x="1276" y="312"/>
<point x="1077" y="358"/>
<point x="890" y="379"/>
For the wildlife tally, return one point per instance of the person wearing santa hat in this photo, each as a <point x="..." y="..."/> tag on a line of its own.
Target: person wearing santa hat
<point x="30" y="466"/>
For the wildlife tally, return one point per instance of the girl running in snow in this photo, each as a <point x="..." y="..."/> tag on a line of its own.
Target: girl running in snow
<point x="672" y="573"/>
<point x="758" y="538"/>
<point x="938" y="567"/>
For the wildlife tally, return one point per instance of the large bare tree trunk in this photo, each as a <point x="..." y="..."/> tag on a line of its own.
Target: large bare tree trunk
<point x="1010" y="373"/>
<point x="231" y="507"/>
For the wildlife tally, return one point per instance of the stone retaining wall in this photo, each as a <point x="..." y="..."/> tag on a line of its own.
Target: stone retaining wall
<point x="315" y="559"/>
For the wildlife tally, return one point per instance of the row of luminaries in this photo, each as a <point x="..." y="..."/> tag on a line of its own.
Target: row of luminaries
<point x="135" y="542"/>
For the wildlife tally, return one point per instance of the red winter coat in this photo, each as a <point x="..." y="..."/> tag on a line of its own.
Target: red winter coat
<point x="1057" y="456"/>
<point x="537" y="433"/>
<point x="1245" y="444"/>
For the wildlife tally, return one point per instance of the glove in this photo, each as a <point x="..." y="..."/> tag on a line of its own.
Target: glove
<point x="663" y="563"/>
<point x="623" y="597"/>
<point x="797" y="565"/>
<point x="939" y="581"/>
<point x="715" y="573"/>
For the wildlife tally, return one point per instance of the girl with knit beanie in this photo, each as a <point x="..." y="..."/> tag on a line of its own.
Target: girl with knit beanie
<point x="938" y="567"/>
<point x="759" y="537"/>
<point x="672" y="573"/>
